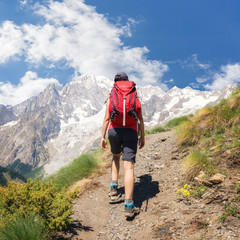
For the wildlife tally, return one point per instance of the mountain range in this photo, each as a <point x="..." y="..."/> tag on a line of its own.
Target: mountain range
<point x="56" y="126"/>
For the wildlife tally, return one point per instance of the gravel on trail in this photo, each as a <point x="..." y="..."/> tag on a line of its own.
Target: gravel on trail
<point x="164" y="214"/>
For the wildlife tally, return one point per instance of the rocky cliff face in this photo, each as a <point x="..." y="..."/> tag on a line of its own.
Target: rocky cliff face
<point x="6" y="115"/>
<point x="56" y="126"/>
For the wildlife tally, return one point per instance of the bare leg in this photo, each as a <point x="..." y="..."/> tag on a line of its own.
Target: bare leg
<point x="115" y="167"/>
<point x="129" y="179"/>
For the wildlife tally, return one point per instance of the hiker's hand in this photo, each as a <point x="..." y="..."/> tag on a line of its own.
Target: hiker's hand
<point x="104" y="144"/>
<point x="141" y="142"/>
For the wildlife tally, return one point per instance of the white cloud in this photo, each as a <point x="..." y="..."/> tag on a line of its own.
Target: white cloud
<point x="23" y="2"/>
<point x="193" y="62"/>
<point x="229" y="74"/>
<point x="11" y="41"/>
<point x="194" y="85"/>
<point x="30" y="85"/>
<point x="169" y="81"/>
<point x="202" y="79"/>
<point x="74" y="33"/>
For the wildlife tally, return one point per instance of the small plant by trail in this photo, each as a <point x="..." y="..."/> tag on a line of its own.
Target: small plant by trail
<point x="196" y="161"/>
<point x="36" y="197"/>
<point x="192" y="191"/>
<point x="230" y="210"/>
<point x="25" y="228"/>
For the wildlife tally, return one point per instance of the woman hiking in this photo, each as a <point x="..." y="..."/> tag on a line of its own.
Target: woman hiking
<point x="123" y="112"/>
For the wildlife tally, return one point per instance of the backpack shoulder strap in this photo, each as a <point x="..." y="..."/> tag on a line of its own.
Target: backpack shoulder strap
<point x="114" y="96"/>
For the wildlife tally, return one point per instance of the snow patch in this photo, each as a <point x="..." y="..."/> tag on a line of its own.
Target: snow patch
<point x="10" y="124"/>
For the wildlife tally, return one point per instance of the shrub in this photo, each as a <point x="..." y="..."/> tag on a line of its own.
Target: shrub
<point x="30" y="227"/>
<point x="53" y="206"/>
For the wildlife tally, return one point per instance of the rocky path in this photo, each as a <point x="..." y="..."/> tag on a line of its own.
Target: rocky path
<point x="164" y="213"/>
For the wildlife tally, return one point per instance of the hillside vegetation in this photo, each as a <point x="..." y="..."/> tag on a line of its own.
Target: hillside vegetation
<point x="79" y="168"/>
<point x="46" y="203"/>
<point x="210" y="141"/>
<point x="215" y="132"/>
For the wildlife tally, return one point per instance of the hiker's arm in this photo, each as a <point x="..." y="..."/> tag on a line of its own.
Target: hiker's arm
<point x="104" y="127"/>
<point x="142" y="137"/>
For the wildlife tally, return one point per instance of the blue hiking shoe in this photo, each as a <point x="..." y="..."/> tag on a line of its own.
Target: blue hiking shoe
<point x="113" y="190"/>
<point x="131" y="210"/>
<point x="115" y="196"/>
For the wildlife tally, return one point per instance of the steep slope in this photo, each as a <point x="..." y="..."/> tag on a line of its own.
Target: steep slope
<point x="26" y="138"/>
<point x="6" y="115"/>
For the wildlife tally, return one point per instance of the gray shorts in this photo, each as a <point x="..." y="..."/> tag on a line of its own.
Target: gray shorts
<point x="124" y="140"/>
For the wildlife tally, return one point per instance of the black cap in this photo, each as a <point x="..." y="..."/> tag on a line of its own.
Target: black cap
<point x="121" y="76"/>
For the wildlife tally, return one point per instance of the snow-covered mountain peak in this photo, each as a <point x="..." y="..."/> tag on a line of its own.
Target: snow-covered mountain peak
<point x="61" y="125"/>
<point x="146" y="93"/>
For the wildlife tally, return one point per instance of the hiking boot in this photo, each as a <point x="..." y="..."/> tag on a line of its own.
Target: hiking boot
<point x="131" y="210"/>
<point x="116" y="199"/>
<point x="113" y="190"/>
<point x="115" y="195"/>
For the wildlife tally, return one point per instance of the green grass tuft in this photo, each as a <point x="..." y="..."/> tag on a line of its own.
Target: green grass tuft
<point x="195" y="162"/>
<point x="230" y="210"/>
<point x="80" y="168"/>
<point x="155" y="130"/>
<point x="31" y="227"/>
<point x="177" y="121"/>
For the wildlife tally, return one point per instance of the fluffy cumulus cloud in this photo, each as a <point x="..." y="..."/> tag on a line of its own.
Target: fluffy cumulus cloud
<point x="12" y="43"/>
<point x="74" y="33"/>
<point x="229" y="74"/>
<point x="30" y="85"/>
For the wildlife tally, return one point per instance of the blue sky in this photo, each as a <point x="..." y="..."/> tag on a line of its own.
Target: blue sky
<point x="166" y="43"/>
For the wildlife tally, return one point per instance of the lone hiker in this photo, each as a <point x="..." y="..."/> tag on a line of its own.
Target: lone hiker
<point x="123" y="111"/>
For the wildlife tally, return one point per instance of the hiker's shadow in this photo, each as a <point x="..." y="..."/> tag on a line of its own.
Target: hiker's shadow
<point x="144" y="190"/>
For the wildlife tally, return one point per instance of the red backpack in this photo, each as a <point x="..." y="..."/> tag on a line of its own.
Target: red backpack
<point x="124" y="105"/>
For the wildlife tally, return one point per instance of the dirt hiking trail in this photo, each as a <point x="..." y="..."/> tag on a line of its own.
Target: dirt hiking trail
<point x="164" y="214"/>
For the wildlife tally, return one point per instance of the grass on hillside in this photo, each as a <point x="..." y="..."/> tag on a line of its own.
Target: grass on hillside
<point x="155" y="130"/>
<point x="177" y="121"/>
<point x="212" y="136"/>
<point x="195" y="162"/>
<point x="80" y="168"/>
<point x="31" y="227"/>
<point x="223" y="118"/>
<point x="169" y="125"/>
